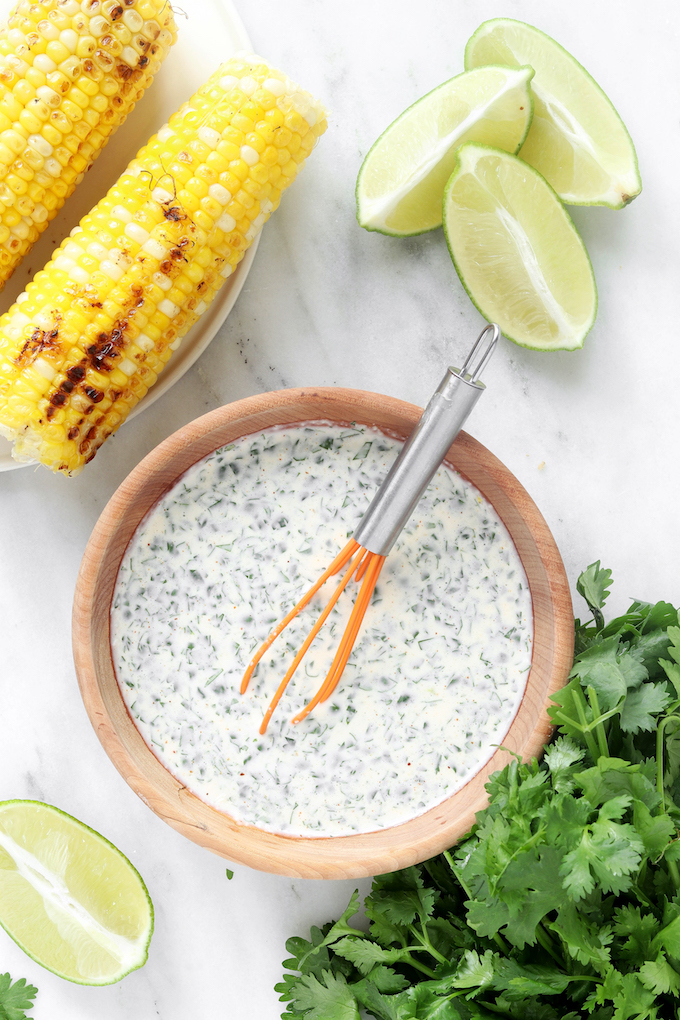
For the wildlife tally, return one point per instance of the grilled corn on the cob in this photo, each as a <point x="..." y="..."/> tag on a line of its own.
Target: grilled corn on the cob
<point x="70" y="72"/>
<point x="90" y="334"/>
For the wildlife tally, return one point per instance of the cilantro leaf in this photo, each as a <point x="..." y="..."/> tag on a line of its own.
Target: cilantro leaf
<point x="641" y="706"/>
<point x="612" y="777"/>
<point x="655" y="831"/>
<point x="449" y="935"/>
<point x="586" y="944"/>
<point x="521" y="980"/>
<point x="386" y="932"/>
<point x="15" y="998"/>
<point x="634" y="1000"/>
<point x="312" y="958"/>
<point x="385" y="979"/>
<point x="474" y="971"/>
<point x="659" y="976"/>
<point x="307" y="957"/>
<point x="405" y="906"/>
<point x="565" y="820"/>
<point x="639" y="931"/>
<point x="672" y="669"/>
<point x="650" y="648"/>
<point x="610" y="669"/>
<point x="608" y="852"/>
<point x="303" y="952"/>
<point x="562" y="755"/>
<point x="566" y="711"/>
<point x="669" y="938"/>
<point x="385" y="1007"/>
<point x="365" y="954"/>
<point x="659" y="616"/>
<point x="341" y="927"/>
<point x="328" y="999"/>
<point x="593" y="584"/>
<point x="630" y="997"/>
<point x="402" y="897"/>
<point x="531" y="888"/>
<point x="672" y="752"/>
<point x="487" y="916"/>
<point x="423" y="1002"/>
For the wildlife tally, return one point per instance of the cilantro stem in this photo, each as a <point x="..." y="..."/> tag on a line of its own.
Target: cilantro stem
<point x="580" y="704"/>
<point x="643" y="898"/>
<point x="660" y="746"/>
<point x="597" y="722"/>
<point x="659" y="764"/>
<point x="598" y="617"/>
<point x="419" y="966"/>
<point x="608" y="715"/>
<point x="452" y="864"/>
<point x="544" y="940"/>
<point x="497" y="938"/>
<point x="426" y="944"/>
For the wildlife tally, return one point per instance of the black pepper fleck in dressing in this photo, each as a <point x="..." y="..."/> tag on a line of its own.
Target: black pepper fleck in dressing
<point x="435" y="678"/>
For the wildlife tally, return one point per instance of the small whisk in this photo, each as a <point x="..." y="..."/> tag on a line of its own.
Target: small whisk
<point x="386" y="516"/>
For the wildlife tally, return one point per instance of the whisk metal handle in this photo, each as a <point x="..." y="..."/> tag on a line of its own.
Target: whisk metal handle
<point x="426" y="447"/>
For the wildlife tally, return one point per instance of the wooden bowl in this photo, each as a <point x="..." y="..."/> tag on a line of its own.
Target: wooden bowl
<point x="311" y="857"/>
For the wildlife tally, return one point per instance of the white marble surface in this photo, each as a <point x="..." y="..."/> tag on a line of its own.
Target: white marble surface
<point x="593" y="435"/>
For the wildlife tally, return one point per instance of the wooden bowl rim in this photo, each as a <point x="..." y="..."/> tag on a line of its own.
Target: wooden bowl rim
<point x="311" y="856"/>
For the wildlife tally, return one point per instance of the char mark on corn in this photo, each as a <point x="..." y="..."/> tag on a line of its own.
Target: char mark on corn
<point x="91" y="333"/>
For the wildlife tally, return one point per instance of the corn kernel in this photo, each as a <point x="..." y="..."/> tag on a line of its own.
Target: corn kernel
<point x="292" y="120"/>
<point x="243" y="124"/>
<point x="86" y="46"/>
<point x="51" y="134"/>
<point x="198" y="187"/>
<point x="270" y="156"/>
<point x="187" y="199"/>
<point x="57" y="51"/>
<point x="203" y="220"/>
<point x="87" y="87"/>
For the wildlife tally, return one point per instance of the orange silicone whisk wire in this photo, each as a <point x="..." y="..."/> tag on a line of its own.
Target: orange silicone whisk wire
<point x="349" y="637"/>
<point x="337" y="564"/>
<point x="310" y="637"/>
<point x="366" y="567"/>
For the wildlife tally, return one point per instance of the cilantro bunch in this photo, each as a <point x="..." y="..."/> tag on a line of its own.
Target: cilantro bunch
<point x="563" y="903"/>
<point x="15" y="998"/>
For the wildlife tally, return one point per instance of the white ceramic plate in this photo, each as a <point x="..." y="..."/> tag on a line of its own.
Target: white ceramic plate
<point x="210" y="34"/>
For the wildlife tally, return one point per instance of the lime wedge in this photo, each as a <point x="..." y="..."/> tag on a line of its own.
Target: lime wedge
<point x="401" y="181"/>
<point x="517" y="252"/>
<point x="577" y="139"/>
<point x="68" y="897"/>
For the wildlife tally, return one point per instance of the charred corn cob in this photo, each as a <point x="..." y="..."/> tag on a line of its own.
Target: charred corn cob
<point x="92" y="331"/>
<point x="70" y="72"/>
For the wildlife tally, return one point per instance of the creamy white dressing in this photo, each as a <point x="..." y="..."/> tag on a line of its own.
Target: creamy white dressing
<point x="435" y="678"/>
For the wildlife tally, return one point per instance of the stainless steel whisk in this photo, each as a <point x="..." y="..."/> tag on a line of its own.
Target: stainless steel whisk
<point x="388" y="512"/>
